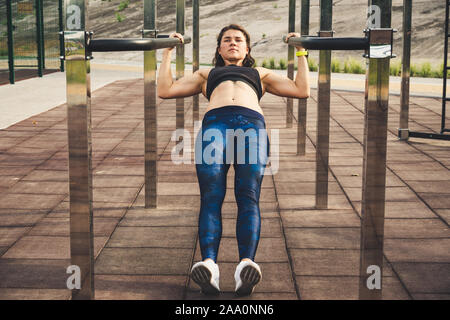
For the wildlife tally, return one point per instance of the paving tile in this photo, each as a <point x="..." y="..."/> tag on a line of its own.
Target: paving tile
<point x="392" y="289"/>
<point x="304" y="188"/>
<point x="437" y="201"/>
<point x="392" y="194"/>
<point x="8" y="182"/>
<point x="115" y="194"/>
<point x="173" y="202"/>
<point x="314" y="262"/>
<point x="33" y="273"/>
<point x="444" y="214"/>
<point x="40" y="187"/>
<point x="356" y="181"/>
<point x="145" y="237"/>
<point x="327" y="238"/>
<point x="269" y="250"/>
<point x="133" y="287"/>
<point x="320" y="218"/>
<point x="404" y="209"/>
<point x="424" y="277"/>
<point x="9" y="235"/>
<point x="328" y="288"/>
<point x="287" y="202"/>
<point x="430" y="296"/>
<point x="425" y="176"/>
<point x="415" y="228"/>
<point x="417" y="250"/>
<point x="20" y="218"/>
<point x="3" y="250"/>
<point x="30" y="201"/>
<point x="430" y="186"/>
<point x="61" y="227"/>
<point x="101" y="181"/>
<point x="142" y="217"/>
<point x="46" y="247"/>
<point x="15" y="170"/>
<point x="34" y="294"/>
<point x="143" y="261"/>
<point x="47" y="175"/>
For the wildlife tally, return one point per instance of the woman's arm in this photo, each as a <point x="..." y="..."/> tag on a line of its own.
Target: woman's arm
<point x="184" y="87"/>
<point x="285" y="87"/>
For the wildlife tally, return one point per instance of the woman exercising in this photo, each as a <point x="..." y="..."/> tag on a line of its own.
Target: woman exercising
<point x="234" y="88"/>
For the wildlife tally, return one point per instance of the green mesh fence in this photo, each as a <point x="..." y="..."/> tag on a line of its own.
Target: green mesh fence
<point x="51" y="36"/>
<point x="3" y="38"/>
<point x="25" y="34"/>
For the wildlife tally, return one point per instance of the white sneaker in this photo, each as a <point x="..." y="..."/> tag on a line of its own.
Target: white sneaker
<point x="247" y="276"/>
<point x="206" y="275"/>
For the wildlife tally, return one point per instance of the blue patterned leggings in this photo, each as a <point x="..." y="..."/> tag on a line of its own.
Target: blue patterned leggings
<point x="231" y="134"/>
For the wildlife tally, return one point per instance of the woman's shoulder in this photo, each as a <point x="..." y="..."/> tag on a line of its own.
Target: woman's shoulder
<point x="263" y="72"/>
<point x="204" y="73"/>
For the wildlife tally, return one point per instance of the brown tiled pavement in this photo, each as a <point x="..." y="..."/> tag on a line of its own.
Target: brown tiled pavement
<point x="147" y="253"/>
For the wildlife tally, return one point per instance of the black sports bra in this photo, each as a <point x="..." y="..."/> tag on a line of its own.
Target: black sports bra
<point x="235" y="73"/>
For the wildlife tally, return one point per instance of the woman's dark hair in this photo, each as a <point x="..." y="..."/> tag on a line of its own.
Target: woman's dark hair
<point x="218" y="60"/>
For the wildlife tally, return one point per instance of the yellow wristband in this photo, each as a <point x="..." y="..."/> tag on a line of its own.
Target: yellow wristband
<point x="301" y="53"/>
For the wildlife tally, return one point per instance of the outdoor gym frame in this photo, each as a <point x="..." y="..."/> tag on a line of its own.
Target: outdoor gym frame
<point x="377" y="45"/>
<point x="79" y="45"/>
<point x="403" y="132"/>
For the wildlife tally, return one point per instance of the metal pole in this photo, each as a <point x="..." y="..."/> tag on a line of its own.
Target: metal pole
<point x="80" y="148"/>
<point x="42" y="35"/>
<point x="150" y="111"/>
<point x="196" y="53"/>
<point x="180" y="28"/>
<point x="374" y="161"/>
<point x="445" y="71"/>
<point x="38" y="4"/>
<point x="290" y="67"/>
<point x="302" y="103"/>
<point x="323" y="108"/>
<point x="403" y="133"/>
<point x="61" y="28"/>
<point x="10" y="42"/>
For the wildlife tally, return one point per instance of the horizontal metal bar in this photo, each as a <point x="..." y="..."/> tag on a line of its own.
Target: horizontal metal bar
<point x="446" y="130"/>
<point x="111" y="45"/>
<point x="424" y="135"/>
<point x="325" y="43"/>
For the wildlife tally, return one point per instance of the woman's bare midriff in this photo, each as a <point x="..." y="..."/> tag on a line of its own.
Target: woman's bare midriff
<point x="234" y="93"/>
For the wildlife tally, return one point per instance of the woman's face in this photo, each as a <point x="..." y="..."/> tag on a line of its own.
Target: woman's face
<point x="233" y="47"/>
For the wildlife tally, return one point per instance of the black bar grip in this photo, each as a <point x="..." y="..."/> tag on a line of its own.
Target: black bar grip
<point x="328" y="43"/>
<point x="113" y="45"/>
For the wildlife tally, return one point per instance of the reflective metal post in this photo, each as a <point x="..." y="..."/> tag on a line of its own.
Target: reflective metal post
<point x="323" y="108"/>
<point x="195" y="53"/>
<point x="403" y="131"/>
<point x="180" y="28"/>
<point x="10" y="42"/>
<point x="302" y="103"/>
<point x="374" y="161"/>
<point x="39" y="36"/>
<point x="150" y="111"/>
<point x="61" y="28"/>
<point x="79" y="137"/>
<point x="290" y="66"/>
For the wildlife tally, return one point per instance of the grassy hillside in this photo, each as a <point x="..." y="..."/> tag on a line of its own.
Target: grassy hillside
<point x="267" y="20"/>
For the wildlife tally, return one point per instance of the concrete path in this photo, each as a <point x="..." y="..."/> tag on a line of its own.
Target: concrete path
<point x="147" y="253"/>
